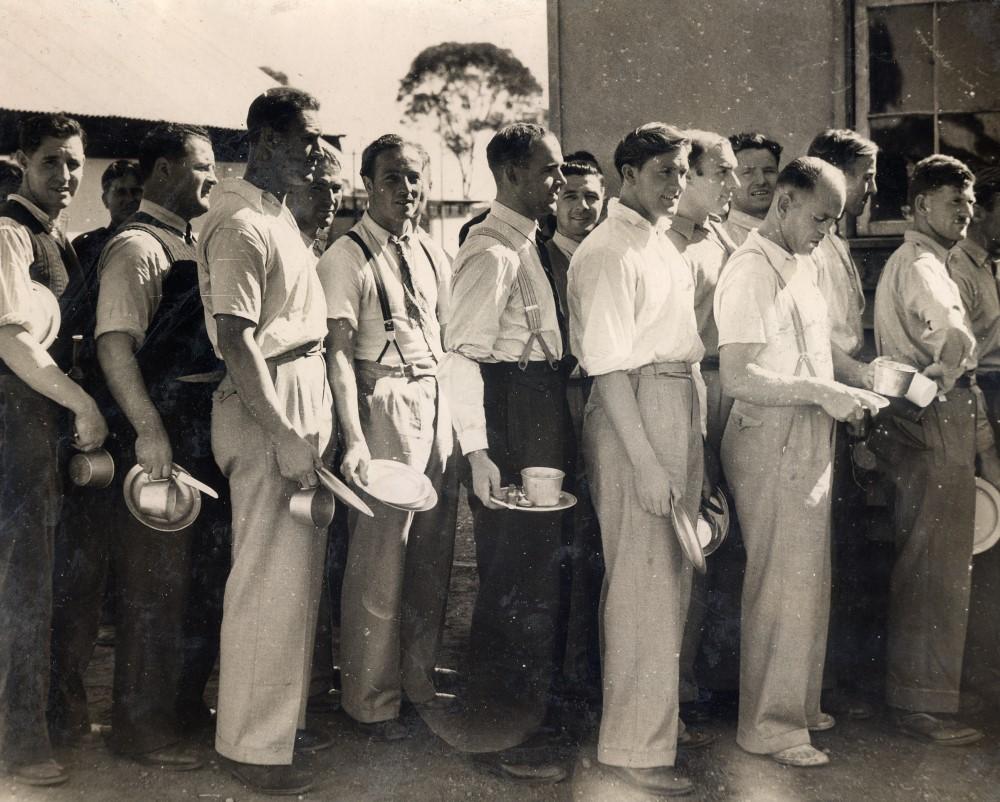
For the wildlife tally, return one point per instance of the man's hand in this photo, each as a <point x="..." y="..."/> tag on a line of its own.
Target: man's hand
<point x="945" y="378"/>
<point x="297" y="459"/>
<point x="653" y="487"/>
<point x="843" y="403"/>
<point x="867" y="377"/>
<point x="354" y="465"/>
<point x="153" y="452"/>
<point x="91" y="428"/>
<point x="485" y="478"/>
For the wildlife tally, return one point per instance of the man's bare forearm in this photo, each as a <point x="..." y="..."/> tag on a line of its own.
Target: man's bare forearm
<point x="32" y="364"/>
<point x="116" y="354"/>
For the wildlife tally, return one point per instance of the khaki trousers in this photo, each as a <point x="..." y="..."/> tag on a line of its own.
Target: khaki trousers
<point x="396" y="582"/>
<point x="647" y="579"/>
<point x="778" y="461"/>
<point x="269" y="618"/>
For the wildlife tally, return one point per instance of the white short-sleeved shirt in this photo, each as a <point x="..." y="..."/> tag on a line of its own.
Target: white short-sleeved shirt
<point x="349" y="288"/>
<point x="752" y="308"/>
<point x="838" y="279"/>
<point x="253" y="264"/>
<point x="631" y="297"/>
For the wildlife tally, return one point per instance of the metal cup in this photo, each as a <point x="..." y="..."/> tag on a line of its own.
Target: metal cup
<point x="542" y="486"/>
<point x="158" y="498"/>
<point x="92" y="469"/>
<point x="312" y="506"/>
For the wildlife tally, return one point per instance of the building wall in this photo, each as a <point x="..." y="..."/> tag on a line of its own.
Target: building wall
<point x="778" y="66"/>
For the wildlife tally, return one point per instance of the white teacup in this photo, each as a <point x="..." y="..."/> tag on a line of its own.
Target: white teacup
<point x="922" y="390"/>
<point x="542" y="486"/>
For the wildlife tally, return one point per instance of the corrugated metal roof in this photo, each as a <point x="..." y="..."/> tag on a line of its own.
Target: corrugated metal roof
<point x="118" y="59"/>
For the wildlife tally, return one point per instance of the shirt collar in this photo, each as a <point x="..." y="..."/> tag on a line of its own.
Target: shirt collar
<point x="36" y="212"/>
<point x="619" y="211"/>
<point x="777" y="255"/>
<point x="744" y="220"/>
<point x="919" y="238"/>
<point x="251" y="193"/>
<point x="565" y="244"/>
<point x="686" y="227"/>
<point x="168" y="218"/>
<point x="976" y="252"/>
<point x="518" y="222"/>
<point x="382" y="235"/>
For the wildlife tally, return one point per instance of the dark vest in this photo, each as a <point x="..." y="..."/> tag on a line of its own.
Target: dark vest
<point x="54" y="264"/>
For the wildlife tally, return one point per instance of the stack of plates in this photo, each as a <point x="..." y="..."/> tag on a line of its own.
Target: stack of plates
<point x="398" y="485"/>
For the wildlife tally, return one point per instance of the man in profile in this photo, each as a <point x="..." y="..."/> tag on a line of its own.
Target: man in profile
<point x="757" y="159"/>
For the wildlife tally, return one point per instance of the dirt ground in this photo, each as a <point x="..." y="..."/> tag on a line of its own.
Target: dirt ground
<point x="871" y="762"/>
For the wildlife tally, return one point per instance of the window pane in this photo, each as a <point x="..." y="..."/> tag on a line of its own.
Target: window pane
<point x="973" y="138"/>
<point x="902" y="141"/>
<point x="900" y="68"/>
<point x="969" y="63"/>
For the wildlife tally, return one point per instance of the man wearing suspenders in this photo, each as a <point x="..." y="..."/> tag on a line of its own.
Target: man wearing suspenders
<point x="506" y="383"/>
<point x="774" y="352"/>
<point x="150" y="330"/>
<point x="387" y="286"/>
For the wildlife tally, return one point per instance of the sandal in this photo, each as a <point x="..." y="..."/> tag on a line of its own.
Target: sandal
<point x="931" y="729"/>
<point x="801" y="757"/>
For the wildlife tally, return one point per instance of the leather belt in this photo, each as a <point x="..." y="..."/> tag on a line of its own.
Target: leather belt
<point x="678" y="369"/>
<point x="407" y="371"/>
<point x="710" y="363"/>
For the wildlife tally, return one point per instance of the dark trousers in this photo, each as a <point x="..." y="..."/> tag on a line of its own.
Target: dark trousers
<point x="167" y="607"/>
<point x="518" y="623"/>
<point x="29" y="509"/>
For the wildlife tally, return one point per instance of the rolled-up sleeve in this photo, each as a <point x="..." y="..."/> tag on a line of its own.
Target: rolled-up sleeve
<point x="131" y="286"/>
<point x="237" y="269"/>
<point x="602" y="292"/>
<point x="940" y="319"/>
<point x="16" y="255"/>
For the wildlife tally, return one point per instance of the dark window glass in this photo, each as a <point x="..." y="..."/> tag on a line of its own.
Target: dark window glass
<point x="900" y="66"/>
<point x="902" y="141"/>
<point x="968" y="56"/>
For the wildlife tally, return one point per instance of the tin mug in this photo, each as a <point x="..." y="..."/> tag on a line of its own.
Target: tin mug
<point x="92" y="469"/>
<point x="158" y="498"/>
<point x="312" y="506"/>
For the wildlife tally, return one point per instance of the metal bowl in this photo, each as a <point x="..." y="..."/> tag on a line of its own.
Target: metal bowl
<point x="184" y="508"/>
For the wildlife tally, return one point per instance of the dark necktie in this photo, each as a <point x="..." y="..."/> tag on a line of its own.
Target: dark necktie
<point x="188" y="236"/>
<point x="413" y="309"/>
<point x="543" y="256"/>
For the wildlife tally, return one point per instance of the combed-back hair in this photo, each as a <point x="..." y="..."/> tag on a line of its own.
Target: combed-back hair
<point x="384" y="143"/>
<point x="753" y="140"/>
<point x="119" y="168"/>
<point x="652" y="139"/>
<point x="278" y="108"/>
<point x="513" y="144"/>
<point x="330" y="155"/>
<point x="841" y="147"/>
<point x="582" y="162"/>
<point x="167" y="141"/>
<point x="32" y="130"/>
<point x="805" y="173"/>
<point x="938" y="171"/>
<point x="988" y="187"/>
<point x="701" y="142"/>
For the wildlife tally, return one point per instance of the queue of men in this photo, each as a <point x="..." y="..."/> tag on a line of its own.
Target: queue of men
<point x="703" y="327"/>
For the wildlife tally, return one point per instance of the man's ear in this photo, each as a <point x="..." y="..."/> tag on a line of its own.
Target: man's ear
<point x="368" y="184"/>
<point x="510" y="173"/>
<point x="22" y="159"/>
<point x="628" y="173"/>
<point x="783" y="203"/>
<point x="920" y="205"/>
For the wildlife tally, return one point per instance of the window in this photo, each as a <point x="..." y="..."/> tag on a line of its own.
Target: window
<point x="927" y="81"/>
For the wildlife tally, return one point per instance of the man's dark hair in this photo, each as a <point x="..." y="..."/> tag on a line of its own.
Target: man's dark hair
<point x="10" y="178"/>
<point x="328" y="154"/>
<point x="168" y="141"/>
<point x="805" y="173"/>
<point x="751" y="140"/>
<point x="278" y="109"/>
<point x="938" y="171"/>
<point x="385" y="143"/>
<point x="988" y="187"/>
<point x="513" y="144"/>
<point x="652" y="139"/>
<point x="582" y="162"/>
<point x="32" y="130"/>
<point x="119" y="169"/>
<point x="701" y="142"/>
<point x="841" y="147"/>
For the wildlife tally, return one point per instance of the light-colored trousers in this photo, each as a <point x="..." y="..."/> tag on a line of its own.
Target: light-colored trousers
<point x="396" y="581"/>
<point x="648" y="580"/>
<point x="778" y="462"/>
<point x="269" y="615"/>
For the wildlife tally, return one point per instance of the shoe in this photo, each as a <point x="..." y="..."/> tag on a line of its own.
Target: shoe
<point x="92" y="738"/>
<point x="528" y="773"/>
<point x="169" y="758"/>
<point x="440" y="703"/>
<point x="845" y="705"/>
<point x="43" y="773"/>
<point x="324" y="702"/>
<point x="661" y="780"/>
<point x="390" y="730"/>
<point x="931" y="729"/>
<point x="697" y="712"/>
<point x="823" y="723"/>
<point x="695" y="739"/>
<point x="271" y="780"/>
<point x="805" y="756"/>
<point x="309" y="742"/>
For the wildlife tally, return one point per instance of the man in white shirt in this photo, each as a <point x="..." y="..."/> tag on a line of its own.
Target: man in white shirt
<point x="774" y="353"/>
<point x="757" y="159"/>
<point x="314" y="205"/>
<point x="634" y="329"/>
<point x="389" y="407"/>
<point x="505" y="378"/>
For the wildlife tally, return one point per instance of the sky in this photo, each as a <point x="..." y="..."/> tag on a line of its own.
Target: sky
<point x="352" y="55"/>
